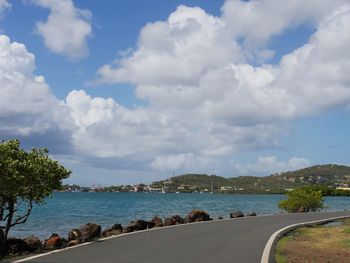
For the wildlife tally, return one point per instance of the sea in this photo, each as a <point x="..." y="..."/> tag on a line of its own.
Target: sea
<point x="65" y="211"/>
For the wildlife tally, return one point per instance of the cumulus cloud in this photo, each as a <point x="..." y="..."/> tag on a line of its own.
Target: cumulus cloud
<point x="257" y="21"/>
<point x="27" y="107"/>
<point x="193" y="70"/>
<point x="180" y="50"/>
<point x="270" y="164"/>
<point x="67" y="28"/>
<point x="183" y="73"/>
<point x="206" y="102"/>
<point x="109" y="130"/>
<point x="4" y="6"/>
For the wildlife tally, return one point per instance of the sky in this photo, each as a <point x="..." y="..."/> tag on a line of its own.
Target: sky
<point x="133" y="91"/>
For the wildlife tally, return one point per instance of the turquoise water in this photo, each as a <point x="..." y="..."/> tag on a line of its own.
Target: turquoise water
<point x="65" y="211"/>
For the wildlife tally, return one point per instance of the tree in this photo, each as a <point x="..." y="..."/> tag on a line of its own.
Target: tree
<point x="302" y="200"/>
<point x="26" y="178"/>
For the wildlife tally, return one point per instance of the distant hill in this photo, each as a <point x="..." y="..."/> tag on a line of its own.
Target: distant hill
<point x="330" y="175"/>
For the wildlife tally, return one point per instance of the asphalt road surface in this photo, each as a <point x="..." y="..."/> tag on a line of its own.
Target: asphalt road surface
<point x="234" y="240"/>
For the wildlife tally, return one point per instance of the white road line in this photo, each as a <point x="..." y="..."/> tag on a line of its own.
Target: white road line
<point x="121" y="235"/>
<point x="275" y="236"/>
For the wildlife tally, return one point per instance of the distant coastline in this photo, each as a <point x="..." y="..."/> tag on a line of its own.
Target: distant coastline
<point x="331" y="179"/>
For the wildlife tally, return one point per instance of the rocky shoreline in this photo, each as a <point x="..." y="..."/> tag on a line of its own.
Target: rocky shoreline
<point x="92" y="231"/>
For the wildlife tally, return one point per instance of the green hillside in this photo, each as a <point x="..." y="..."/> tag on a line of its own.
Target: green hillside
<point x="330" y="175"/>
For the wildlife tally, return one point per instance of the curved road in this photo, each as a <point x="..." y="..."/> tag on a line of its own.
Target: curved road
<point x="232" y="240"/>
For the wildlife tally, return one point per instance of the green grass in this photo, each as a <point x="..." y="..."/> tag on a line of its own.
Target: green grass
<point x="347" y="230"/>
<point x="346" y="243"/>
<point x="279" y="257"/>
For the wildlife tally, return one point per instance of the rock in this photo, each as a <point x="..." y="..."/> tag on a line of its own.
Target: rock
<point x="169" y="221"/>
<point x="73" y="243"/>
<point x="89" y="232"/>
<point x="220" y="217"/>
<point x="158" y="222"/>
<point x="74" y="234"/>
<point x="302" y="210"/>
<point x="251" y="214"/>
<point x="150" y="225"/>
<point x="33" y="242"/>
<point x="178" y="219"/>
<point x="53" y="242"/>
<point x="16" y="246"/>
<point x="64" y="242"/>
<point x="116" y="229"/>
<point x="137" y="225"/>
<point x="197" y="216"/>
<point x="236" y="214"/>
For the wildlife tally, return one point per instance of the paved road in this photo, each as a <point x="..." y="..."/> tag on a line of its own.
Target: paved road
<point x="235" y="240"/>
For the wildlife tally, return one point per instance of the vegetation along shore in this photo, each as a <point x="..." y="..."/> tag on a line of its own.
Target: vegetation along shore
<point x="331" y="180"/>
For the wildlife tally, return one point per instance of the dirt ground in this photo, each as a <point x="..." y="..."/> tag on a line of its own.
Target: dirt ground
<point x="318" y="244"/>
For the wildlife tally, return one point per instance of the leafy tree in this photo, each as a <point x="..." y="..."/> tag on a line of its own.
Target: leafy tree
<point x="302" y="200"/>
<point x="26" y="178"/>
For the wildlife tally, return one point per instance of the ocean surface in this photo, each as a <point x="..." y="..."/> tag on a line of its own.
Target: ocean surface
<point x="65" y="211"/>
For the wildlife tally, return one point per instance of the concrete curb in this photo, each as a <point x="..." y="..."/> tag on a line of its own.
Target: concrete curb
<point x="268" y="255"/>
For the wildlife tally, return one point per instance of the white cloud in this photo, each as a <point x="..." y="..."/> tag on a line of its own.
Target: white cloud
<point x="270" y="164"/>
<point x="180" y="50"/>
<point x="256" y="21"/>
<point x="183" y="70"/>
<point x="206" y="102"/>
<point x="4" y="6"/>
<point x="213" y="103"/>
<point x="67" y="28"/>
<point x="27" y="107"/>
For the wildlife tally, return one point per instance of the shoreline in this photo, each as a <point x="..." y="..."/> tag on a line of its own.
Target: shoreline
<point x="91" y="232"/>
<point x="187" y="228"/>
<point x="78" y="208"/>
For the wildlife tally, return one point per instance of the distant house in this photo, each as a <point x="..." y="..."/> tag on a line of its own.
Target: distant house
<point x="343" y="188"/>
<point x="226" y="188"/>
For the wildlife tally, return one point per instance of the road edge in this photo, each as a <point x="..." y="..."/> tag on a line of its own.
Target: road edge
<point x="270" y="247"/>
<point x="30" y="257"/>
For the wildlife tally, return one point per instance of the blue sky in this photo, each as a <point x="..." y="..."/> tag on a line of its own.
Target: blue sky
<point x="133" y="91"/>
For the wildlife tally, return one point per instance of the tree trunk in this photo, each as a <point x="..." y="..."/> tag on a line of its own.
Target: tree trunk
<point x="3" y="235"/>
<point x="2" y="244"/>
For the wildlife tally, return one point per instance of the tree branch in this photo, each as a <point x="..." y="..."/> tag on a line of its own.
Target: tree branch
<point x="23" y="219"/>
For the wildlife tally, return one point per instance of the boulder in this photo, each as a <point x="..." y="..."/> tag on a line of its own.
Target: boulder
<point x="64" y="242"/>
<point x="116" y="229"/>
<point x="197" y="216"/>
<point x="73" y="243"/>
<point x="220" y="217"/>
<point x="150" y="225"/>
<point x="33" y="242"/>
<point x="137" y="225"/>
<point x="236" y="214"/>
<point x="74" y="234"/>
<point x="17" y="246"/>
<point x="251" y="214"/>
<point x="169" y="221"/>
<point x="178" y="219"/>
<point x="89" y="232"/>
<point x="302" y="210"/>
<point x="54" y="242"/>
<point x="158" y="222"/>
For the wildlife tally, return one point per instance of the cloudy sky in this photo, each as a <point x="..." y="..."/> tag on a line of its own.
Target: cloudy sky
<point x="129" y="91"/>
